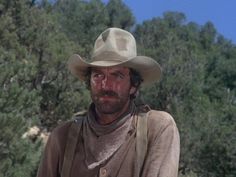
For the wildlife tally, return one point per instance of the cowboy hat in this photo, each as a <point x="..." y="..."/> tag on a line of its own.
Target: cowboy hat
<point x="116" y="47"/>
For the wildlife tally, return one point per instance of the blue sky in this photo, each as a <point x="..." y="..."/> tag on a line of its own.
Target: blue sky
<point x="222" y="13"/>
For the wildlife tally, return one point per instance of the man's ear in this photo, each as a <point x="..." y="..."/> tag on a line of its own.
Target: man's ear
<point x="132" y="90"/>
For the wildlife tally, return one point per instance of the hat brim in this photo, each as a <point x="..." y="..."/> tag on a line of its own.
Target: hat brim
<point x="148" y="68"/>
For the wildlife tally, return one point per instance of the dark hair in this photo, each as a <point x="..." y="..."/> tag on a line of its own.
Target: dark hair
<point x="135" y="79"/>
<point x="87" y="75"/>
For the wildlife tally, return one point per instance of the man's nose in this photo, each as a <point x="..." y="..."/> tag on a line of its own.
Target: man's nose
<point x="107" y="83"/>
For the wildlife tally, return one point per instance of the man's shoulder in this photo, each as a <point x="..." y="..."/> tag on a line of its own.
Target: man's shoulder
<point x="64" y="127"/>
<point x="160" y="116"/>
<point x="159" y="120"/>
<point x="155" y="117"/>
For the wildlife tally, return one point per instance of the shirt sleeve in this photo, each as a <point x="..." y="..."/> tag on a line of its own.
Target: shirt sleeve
<point x="162" y="158"/>
<point x="50" y="160"/>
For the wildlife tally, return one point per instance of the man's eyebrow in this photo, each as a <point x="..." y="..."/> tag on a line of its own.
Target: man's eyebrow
<point x="118" y="72"/>
<point x="95" y="70"/>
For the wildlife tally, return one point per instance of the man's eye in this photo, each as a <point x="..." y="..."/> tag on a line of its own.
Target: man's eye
<point x="119" y="76"/>
<point x="97" y="75"/>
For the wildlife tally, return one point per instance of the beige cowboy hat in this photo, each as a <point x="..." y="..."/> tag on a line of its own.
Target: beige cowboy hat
<point x="116" y="47"/>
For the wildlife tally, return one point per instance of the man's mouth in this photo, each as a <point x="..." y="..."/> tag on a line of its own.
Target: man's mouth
<point x="107" y="98"/>
<point x="108" y="94"/>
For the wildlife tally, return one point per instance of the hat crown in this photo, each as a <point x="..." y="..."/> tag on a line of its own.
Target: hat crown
<point x="116" y="47"/>
<point x="114" y="44"/>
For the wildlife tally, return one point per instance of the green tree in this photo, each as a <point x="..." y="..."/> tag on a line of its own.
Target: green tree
<point x="82" y="21"/>
<point x="119" y="15"/>
<point x="195" y="89"/>
<point x="18" y="99"/>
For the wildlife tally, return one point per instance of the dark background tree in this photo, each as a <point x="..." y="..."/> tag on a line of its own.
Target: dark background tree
<point x="197" y="87"/>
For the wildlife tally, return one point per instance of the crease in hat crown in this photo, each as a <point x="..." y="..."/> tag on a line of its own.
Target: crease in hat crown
<point x="118" y="44"/>
<point x="116" y="47"/>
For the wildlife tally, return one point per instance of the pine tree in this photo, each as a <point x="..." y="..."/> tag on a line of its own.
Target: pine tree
<point x="197" y="88"/>
<point x="119" y="15"/>
<point x="18" y="100"/>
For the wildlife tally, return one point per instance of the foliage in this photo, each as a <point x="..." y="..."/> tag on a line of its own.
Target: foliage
<point x="194" y="89"/>
<point x="18" y="99"/>
<point x="119" y="15"/>
<point x="82" y="21"/>
<point x="197" y="87"/>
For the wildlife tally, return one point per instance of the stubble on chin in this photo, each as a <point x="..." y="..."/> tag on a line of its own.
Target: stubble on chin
<point x="108" y="107"/>
<point x="115" y="104"/>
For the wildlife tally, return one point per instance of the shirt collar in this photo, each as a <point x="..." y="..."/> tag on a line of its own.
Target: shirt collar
<point x="104" y="129"/>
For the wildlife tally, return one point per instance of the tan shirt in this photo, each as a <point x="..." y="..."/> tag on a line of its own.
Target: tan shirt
<point x="161" y="160"/>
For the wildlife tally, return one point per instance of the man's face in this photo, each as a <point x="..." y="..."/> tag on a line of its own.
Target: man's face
<point x="110" y="89"/>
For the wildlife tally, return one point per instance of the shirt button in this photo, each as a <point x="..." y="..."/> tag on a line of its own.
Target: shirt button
<point x="103" y="172"/>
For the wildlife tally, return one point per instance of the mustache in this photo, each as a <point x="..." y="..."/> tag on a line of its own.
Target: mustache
<point x="107" y="93"/>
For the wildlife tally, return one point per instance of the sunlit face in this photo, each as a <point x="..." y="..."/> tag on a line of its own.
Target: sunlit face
<point x="110" y="89"/>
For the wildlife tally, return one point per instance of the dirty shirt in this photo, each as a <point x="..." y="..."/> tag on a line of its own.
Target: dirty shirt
<point x="109" y="150"/>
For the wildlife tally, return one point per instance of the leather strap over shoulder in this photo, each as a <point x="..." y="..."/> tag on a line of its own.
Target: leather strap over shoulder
<point x="72" y="140"/>
<point x="141" y="141"/>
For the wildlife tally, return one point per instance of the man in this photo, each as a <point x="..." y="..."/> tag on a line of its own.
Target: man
<point x="116" y="138"/>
